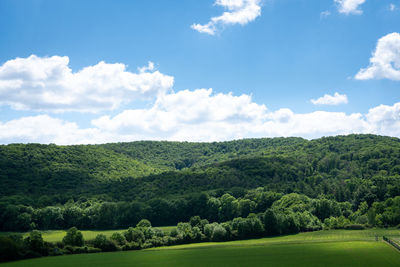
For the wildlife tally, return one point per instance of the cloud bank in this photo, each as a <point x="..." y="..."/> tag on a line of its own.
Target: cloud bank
<point x="48" y="84"/>
<point x="201" y="115"/>
<point x="239" y="12"/>
<point x="385" y="61"/>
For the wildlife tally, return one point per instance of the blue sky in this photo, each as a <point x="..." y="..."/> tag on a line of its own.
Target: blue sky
<point x="264" y="60"/>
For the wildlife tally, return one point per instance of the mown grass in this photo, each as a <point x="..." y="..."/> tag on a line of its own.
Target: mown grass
<point x="322" y="248"/>
<point x="346" y="253"/>
<point x="308" y="237"/>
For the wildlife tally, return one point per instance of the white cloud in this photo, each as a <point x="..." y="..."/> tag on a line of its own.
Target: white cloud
<point x="48" y="84"/>
<point x="188" y="115"/>
<point x="334" y="100"/>
<point x="325" y="14"/>
<point x="150" y="67"/>
<point x="349" y="6"/>
<point x="201" y="115"/>
<point x="239" y="12"/>
<point x="385" y="61"/>
<point x="385" y="119"/>
<point x="392" y="7"/>
<point x="46" y="129"/>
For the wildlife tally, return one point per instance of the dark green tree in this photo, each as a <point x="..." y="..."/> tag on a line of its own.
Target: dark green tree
<point x="73" y="237"/>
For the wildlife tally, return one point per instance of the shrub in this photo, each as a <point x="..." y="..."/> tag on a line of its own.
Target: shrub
<point x="147" y="244"/>
<point x="35" y="243"/>
<point x="118" y="238"/>
<point x="219" y="233"/>
<point x="104" y="244"/>
<point x="144" y="223"/>
<point x="174" y="232"/>
<point x="131" y="246"/>
<point x="9" y="249"/>
<point x="56" y="252"/>
<point x="134" y="235"/>
<point x="73" y="237"/>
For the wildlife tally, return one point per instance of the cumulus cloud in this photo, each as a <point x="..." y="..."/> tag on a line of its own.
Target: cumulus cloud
<point x="49" y="84"/>
<point x="189" y="115"/>
<point x="385" y="61"/>
<point x="385" y="119"/>
<point x="202" y="115"/>
<point x="46" y="129"/>
<point x="238" y="12"/>
<point x="392" y="7"/>
<point x="349" y="6"/>
<point x="334" y="100"/>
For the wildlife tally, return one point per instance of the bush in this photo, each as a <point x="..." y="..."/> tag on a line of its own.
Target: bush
<point x="56" y="252"/>
<point x="134" y="235"/>
<point x="59" y="244"/>
<point x="104" y="244"/>
<point x="118" y="238"/>
<point x="131" y="246"/>
<point x="69" y="249"/>
<point x="219" y="233"/>
<point x="174" y="232"/>
<point x="35" y="243"/>
<point x="9" y="249"/>
<point x="156" y="241"/>
<point x="77" y="250"/>
<point x="144" y="223"/>
<point x="73" y="237"/>
<point x="147" y="244"/>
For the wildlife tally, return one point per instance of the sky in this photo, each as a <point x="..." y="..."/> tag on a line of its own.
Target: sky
<point x="87" y="72"/>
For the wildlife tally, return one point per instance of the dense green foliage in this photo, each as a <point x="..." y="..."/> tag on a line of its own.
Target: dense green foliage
<point x="347" y="180"/>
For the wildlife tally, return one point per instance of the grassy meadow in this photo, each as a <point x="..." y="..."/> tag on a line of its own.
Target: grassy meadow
<point x="58" y="235"/>
<point x="322" y="248"/>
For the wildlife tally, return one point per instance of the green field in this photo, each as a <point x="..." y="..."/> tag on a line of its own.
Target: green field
<point x="58" y="235"/>
<point x="323" y="248"/>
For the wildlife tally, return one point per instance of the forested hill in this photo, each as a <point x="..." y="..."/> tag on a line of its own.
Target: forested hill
<point x="352" y="179"/>
<point x="340" y="167"/>
<point x="170" y="156"/>
<point x="36" y="169"/>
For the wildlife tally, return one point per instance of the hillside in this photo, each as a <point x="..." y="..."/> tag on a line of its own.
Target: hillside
<point x="35" y="169"/>
<point x="169" y="182"/>
<point x="282" y="164"/>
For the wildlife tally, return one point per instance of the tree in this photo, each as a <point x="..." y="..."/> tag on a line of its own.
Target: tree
<point x="144" y="223"/>
<point x="73" y="237"/>
<point x="219" y="233"/>
<point x="118" y="238"/>
<point x="185" y="232"/>
<point x="134" y="235"/>
<point x="271" y="222"/>
<point x="213" y="205"/>
<point x="195" y="221"/>
<point x="229" y="208"/>
<point x="246" y="206"/>
<point x="103" y="243"/>
<point x="35" y="242"/>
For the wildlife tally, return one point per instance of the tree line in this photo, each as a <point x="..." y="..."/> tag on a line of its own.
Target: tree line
<point x="117" y="215"/>
<point x="287" y="214"/>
